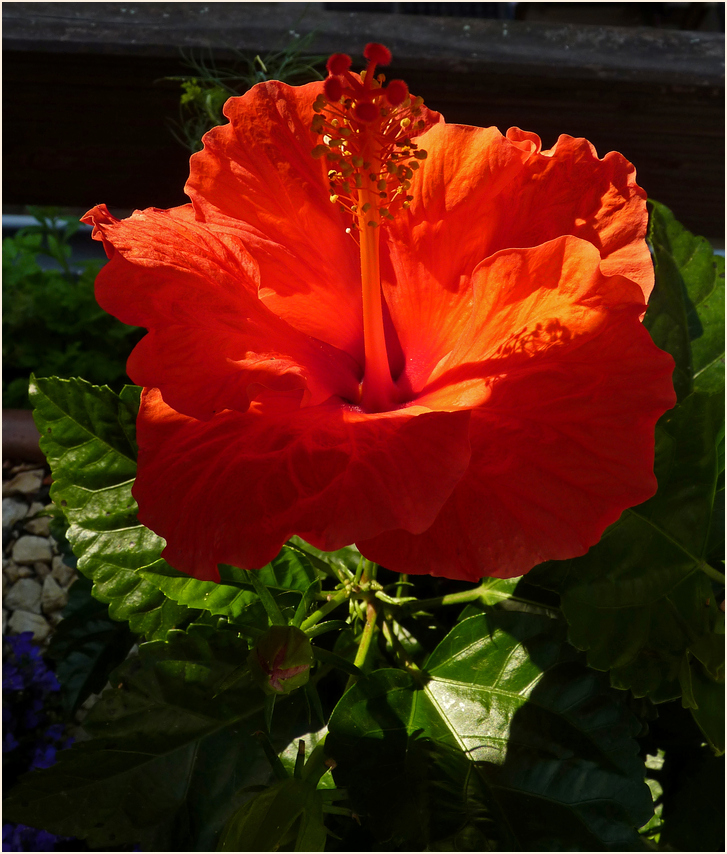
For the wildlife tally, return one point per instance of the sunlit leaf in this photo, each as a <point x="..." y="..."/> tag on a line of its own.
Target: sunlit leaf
<point x="687" y="269"/>
<point x="686" y="308"/>
<point x="511" y="744"/>
<point x="87" y="434"/>
<point x="234" y="594"/>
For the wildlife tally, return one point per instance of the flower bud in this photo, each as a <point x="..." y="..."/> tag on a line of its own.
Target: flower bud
<point x="281" y="660"/>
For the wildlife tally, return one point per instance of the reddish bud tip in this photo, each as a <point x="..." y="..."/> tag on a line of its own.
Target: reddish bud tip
<point x="377" y="53"/>
<point x="333" y="89"/>
<point x="338" y="63"/>
<point x="366" y="112"/>
<point x="396" y="92"/>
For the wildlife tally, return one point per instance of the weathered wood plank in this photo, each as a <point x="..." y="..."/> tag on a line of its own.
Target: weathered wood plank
<point x="457" y="45"/>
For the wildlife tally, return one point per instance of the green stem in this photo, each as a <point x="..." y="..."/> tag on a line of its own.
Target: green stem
<point x="275" y="615"/>
<point x="449" y="599"/>
<point x="333" y="603"/>
<point x="368" y="633"/>
<point x="710" y="571"/>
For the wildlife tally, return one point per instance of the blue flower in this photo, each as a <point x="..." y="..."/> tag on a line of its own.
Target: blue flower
<point x="9" y="742"/>
<point x="12" y="678"/>
<point x="44" y="756"/>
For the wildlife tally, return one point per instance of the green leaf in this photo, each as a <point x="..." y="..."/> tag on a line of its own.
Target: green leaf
<point x="512" y="744"/>
<point x="234" y="594"/>
<point x="289" y="809"/>
<point x="347" y="558"/>
<point x="686" y="309"/>
<point x="641" y="598"/>
<point x="150" y="736"/>
<point x="86" y="646"/>
<point x="709" y="711"/>
<point x="688" y="265"/>
<point x="87" y="435"/>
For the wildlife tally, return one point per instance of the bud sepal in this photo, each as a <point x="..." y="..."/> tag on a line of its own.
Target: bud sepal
<point x="281" y="660"/>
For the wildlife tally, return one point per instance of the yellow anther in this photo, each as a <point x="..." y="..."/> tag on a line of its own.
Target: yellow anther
<point x="333" y="198"/>
<point x="405" y="123"/>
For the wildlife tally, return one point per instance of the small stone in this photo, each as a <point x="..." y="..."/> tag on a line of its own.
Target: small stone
<point x="24" y="595"/>
<point x="54" y="597"/>
<point x="13" y="572"/>
<point x="62" y="573"/>
<point x="40" y="525"/>
<point x="29" y="549"/>
<point x="41" y="570"/>
<point x="24" y="483"/>
<point x="23" y="621"/>
<point x="13" y="511"/>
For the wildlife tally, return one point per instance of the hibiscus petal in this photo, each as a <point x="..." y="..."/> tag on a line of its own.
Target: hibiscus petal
<point x="528" y="305"/>
<point x="257" y="175"/>
<point x="430" y="251"/>
<point x="575" y="192"/>
<point x="193" y="289"/>
<point x="234" y="489"/>
<point x="558" y="452"/>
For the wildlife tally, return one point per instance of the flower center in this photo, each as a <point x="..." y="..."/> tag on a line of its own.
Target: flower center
<point x="367" y="134"/>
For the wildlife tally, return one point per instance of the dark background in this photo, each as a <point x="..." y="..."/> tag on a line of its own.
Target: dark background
<point x="87" y="112"/>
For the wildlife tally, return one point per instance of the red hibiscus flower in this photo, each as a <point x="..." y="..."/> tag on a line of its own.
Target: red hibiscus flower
<point x="371" y="326"/>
